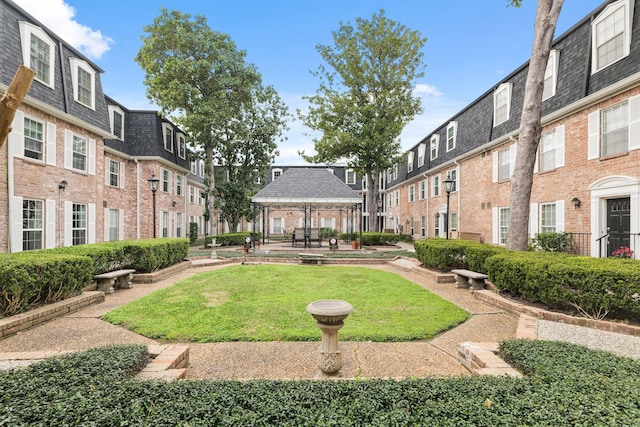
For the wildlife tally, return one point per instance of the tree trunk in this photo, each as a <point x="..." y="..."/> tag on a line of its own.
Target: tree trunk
<point x="372" y="199"/>
<point x="530" y="127"/>
<point x="10" y="101"/>
<point x="209" y="188"/>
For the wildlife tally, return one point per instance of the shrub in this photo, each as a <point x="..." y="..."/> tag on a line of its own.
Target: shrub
<point x="446" y="255"/>
<point x="553" y="242"/>
<point x="233" y="239"/>
<point x="147" y="255"/>
<point x="107" y="256"/>
<point x="30" y="278"/>
<point x="376" y="239"/>
<point x="193" y="232"/>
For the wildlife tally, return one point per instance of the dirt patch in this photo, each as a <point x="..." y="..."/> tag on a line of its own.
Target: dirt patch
<point x="215" y="299"/>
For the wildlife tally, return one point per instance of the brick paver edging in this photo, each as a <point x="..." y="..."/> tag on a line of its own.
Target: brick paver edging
<point x="37" y="316"/>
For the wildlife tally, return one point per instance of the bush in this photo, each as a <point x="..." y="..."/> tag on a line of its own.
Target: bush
<point x="147" y="255"/>
<point x="553" y="242"/>
<point x="376" y="239"/>
<point x="193" y="232"/>
<point x="446" y="255"/>
<point x="30" y="278"/>
<point x="107" y="256"/>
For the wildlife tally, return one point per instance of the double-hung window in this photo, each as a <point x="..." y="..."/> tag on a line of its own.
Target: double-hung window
<point x="38" y="52"/>
<point x="503" y="224"/>
<point x="79" y="148"/>
<point x="501" y="104"/>
<point x="503" y="163"/>
<point x="33" y="139"/>
<point x="79" y="224"/>
<point x="452" y="135"/>
<point x="32" y="224"/>
<point x="351" y="177"/>
<point x="113" y="224"/>
<point x="114" y="173"/>
<point x="615" y="129"/>
<point x="551" y="75"/>
<point x="435" y="185"/>
<point x="423" y="190"/>
<point x="453" y="175"/>
<point x="165" y="181"/>
<point x="178" y="185"/>
<point x="435" y="140"/>
<point x="182" y="146"/>
<point x="116" y="116"/>
<point x="548" y="218"/>
<point x="84" y="81"/>
<point x="611" y="35"/>
<point x="412" y="193"/>
<point x="167" y="132"/>
<point x="421" y="150"/>
<point x="410" y="161"/>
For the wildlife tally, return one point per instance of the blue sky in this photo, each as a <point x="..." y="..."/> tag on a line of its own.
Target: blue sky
<point x="471" y="45"/>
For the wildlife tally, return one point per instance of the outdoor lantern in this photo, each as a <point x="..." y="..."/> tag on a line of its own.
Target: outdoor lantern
<point x="153" y="186"/>
<point x="449" y="184"/>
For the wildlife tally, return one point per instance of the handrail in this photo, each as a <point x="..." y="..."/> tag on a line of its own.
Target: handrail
<point x="600" y="244"/>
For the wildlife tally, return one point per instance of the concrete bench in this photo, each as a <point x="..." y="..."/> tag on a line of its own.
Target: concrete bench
<point x="467" y="279"/>
<point x="311" y="258"/>
<point x="118" y="279"/>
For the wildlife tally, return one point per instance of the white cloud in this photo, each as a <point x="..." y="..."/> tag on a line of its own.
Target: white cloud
<point x="59" y="17"/>
<point x="425" y="90"/>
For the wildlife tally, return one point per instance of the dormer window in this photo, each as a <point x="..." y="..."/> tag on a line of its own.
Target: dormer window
<point x="435" y="141"/>
<point x="182" y="146"/>
<point x="501" y="104"/>
<point x="452" y="135"/>
<point x="167" y="134"/>
<point x="275" y="173"/>
<point x="551" y="75"/>
<point x="116" y="116"/>
<point x="84" y="80"/>
<point x="410" y="162"/>
<point x="38" y="52"/>
<point x="611" y="34"/>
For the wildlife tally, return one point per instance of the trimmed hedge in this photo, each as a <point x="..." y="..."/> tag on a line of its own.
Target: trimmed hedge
<point x="231" y="239"/>
<point x="566" y="385"/>
<point x="147" y="255"/>
<point x="446" y="255"/>
<point x="594" y="286"/>
<point x="377" y="239"/>
<point x="31" y="278"/>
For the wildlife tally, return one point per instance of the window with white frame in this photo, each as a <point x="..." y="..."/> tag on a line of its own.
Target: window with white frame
<point x="615" y="129"/>
<point x="201" y="168"/>
<point x="79" y="153"/>
<point x="351" y="177"/>
<point x="83" y="78"/>
<point x="192" y="194"/>
<point x="275" y="173"/>
<point x="412" y="193"/>
<point x="454" y="221"/>
<point x="113" y="224"/>
<point x="452" y="135"/>
<point x="395" y="171"/>
<point x="421" y="150"/>
<point x="503" y="162"/>
<point x="182" y="146"/>
<point x="167" y="134"/>
<point x="423" y="226"/>
<point x="436" y="225"/>
<point x="453" y="175"/>
<point x="79" y="224"/>
<point x="113" y="173"/>
<point x="551" y="151"/>
<point x="194" y="167"/>
<point x="547" y="217"/>
<point x="434" y="142"/>
<point x="38" y="52"/>
<point x="117" y="121"/>
<point x="501" y="104"/>
<point x="397" y="197"/>
<point x="423" y="190"/>
<point x="33" y="139"/>
<point x="410" y="161"/>
<point x="178" y="185"/>
<point x="551" y="75"/>
<point x="178" y="224"/>
<point x="611" y="35"/>
<point x="32" y="224"/>
<point x="435" y="185"/>
<point x="164" y="223"/>
<point x="503" y="224"/>
<point x="165" y="181"/>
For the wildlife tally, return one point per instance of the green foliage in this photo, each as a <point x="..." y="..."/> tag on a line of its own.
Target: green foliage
<point x="325" y="233"/>
<point x="446" y="255"/>
<point x="40" y="277"/>
<point x="107" y="256"/>
<point x="553" y="242"/>
<point x="193" y="232"/>
<point x="232" y="239"/>
<point x="377" y="239"/>
<point x="267" y="303"/>
<point x="566" y="385"/>
<point x="593" y="286"/>
<point x="147" y="255"/>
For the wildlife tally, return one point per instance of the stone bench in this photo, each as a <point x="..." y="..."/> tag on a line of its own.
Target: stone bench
<point x="467" y="279"/>
<point x="311" y="258"/>
<point x="118" y="279"/>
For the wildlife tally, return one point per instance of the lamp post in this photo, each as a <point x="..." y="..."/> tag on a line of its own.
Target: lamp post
<point x="153" y="186"/>
<point x="448" y="188"/>
<point x="380" y="205"/>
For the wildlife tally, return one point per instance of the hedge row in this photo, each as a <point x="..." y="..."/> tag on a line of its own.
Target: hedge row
<point x="565" y="385"/>
<point x="377" y="239"/>
<point x="231" y="239"/>
<point x="446" y="255"/>
<point x="49" y="275"/>
<point x="593" y="286"/>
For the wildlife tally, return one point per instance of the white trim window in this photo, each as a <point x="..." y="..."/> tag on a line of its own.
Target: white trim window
<point x="116" y="120"/>
<point x="454" y="221"/>
<point x="32" y="224"/>
<point x="501" y="104"/>
<point x="435" y="186"/>
<point x="434" y="142"/>
<point x="167" y="137"/>
<point x="79" y="153"/>
<point x="410" y="156"/>
<point x="114" y="173"/>
<point x="395" y="171"/>
<point x="452" y="135"/>
<point x="275" y="173"/>
<point x="164" y="221"/>
<point x="423" y="226"/>
<point x="79" y="224"/>
<point x="113" y="225"/>
<point x="38" y="52"/>
<point x="503" y="163"/>
<point x="551" y="75"/>
<point x="178" y="179"/>
<point x="33" y="139"/>
<point x="551" y="150"/>
<point x="546" y="217"/>
<point x="436" y="225"/>
<point x="500" y="225"/>
<point x="412" y="193"/>
<point x="192" y="194"/>
<point x="83" y="78"/>
<point x="179" y="225"/>
<point x="182" y="146"/>
<point x="615" y="129"/>
<point x="165" y="181"/>
<point x="422" y="193"/>
<point x="453" y="174"/>
<point x="397" y="197"/>
<point x="421" y="150"/>
<point x="611" y="35"/>
<point x="350" y="177"/>
<point x="194" y="167"/>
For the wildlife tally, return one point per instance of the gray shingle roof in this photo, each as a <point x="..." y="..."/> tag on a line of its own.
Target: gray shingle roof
<point x="302" y="186"/>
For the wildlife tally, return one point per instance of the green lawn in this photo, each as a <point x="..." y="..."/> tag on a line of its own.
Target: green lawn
<point x="268" y="302"/>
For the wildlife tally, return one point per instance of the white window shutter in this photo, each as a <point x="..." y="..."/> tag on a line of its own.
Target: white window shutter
<point x="560" y="216"/>
<point x="105" y="213"/>
<point x="513" y="152"/>
<point x="120" y="224"/>
<point x="16" y="138"/>
<point x="271" y="225"/>
<point x="560" y="146"/>
<point x="16" y="225"/>
<point x="68" y="223"/>
<point x="121" y="169"/>
<point x="50" y="224"/>
<point x="495" y="225"/>
<point x="68" y="151"/>
<point x="496" y="159"/>
<point x="91" y="213"/>
<point x="107" y="170"/>
<point x="634" y="122"/>
<point x="533" y="220"/>
<point x="51" y="144"/>
<point x="91" y="169"/>
<point x="594" y="135"/>
<point x="536" y="166"/>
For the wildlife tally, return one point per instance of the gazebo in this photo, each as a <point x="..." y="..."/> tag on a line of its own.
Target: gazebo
<point x="308" y="189"/>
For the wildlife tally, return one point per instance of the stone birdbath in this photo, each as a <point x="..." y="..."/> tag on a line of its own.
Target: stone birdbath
<point x="329" y="315"/>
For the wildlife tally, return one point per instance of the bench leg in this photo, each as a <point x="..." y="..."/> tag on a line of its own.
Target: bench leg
<point x="124" y="282"/>
<point x="461" y="282"/>
<point x="105" y="285"/>
<point x="476" y="284"/>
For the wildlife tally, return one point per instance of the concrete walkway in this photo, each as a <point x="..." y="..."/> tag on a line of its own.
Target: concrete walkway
<point x="282" y="360"/>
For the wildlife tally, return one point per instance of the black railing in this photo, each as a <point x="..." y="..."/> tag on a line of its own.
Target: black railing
<point x="580" y="243"/>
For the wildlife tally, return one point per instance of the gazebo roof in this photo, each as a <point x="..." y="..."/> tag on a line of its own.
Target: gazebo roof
<point x="307" y="186"/>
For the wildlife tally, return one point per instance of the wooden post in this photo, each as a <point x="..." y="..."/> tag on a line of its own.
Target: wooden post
<point x="10" y="101"/>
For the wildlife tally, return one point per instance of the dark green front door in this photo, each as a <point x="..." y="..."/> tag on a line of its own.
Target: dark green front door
<point x="619" y="223"/>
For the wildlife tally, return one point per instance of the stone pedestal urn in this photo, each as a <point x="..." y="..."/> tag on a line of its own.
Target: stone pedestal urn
<point x="329" y="315"/>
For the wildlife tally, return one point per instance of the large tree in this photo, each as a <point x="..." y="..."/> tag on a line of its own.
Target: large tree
<point x="365" y="98"/>
<point x="530" y="126"/>
<point x="201" y="79"/>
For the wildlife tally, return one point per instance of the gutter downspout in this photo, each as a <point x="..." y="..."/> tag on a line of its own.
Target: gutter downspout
<point x="137" y="198"/>
<point x="455" y="162"/>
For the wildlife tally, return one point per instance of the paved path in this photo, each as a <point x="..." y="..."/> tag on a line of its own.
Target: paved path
<point x="282" y="360"/>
